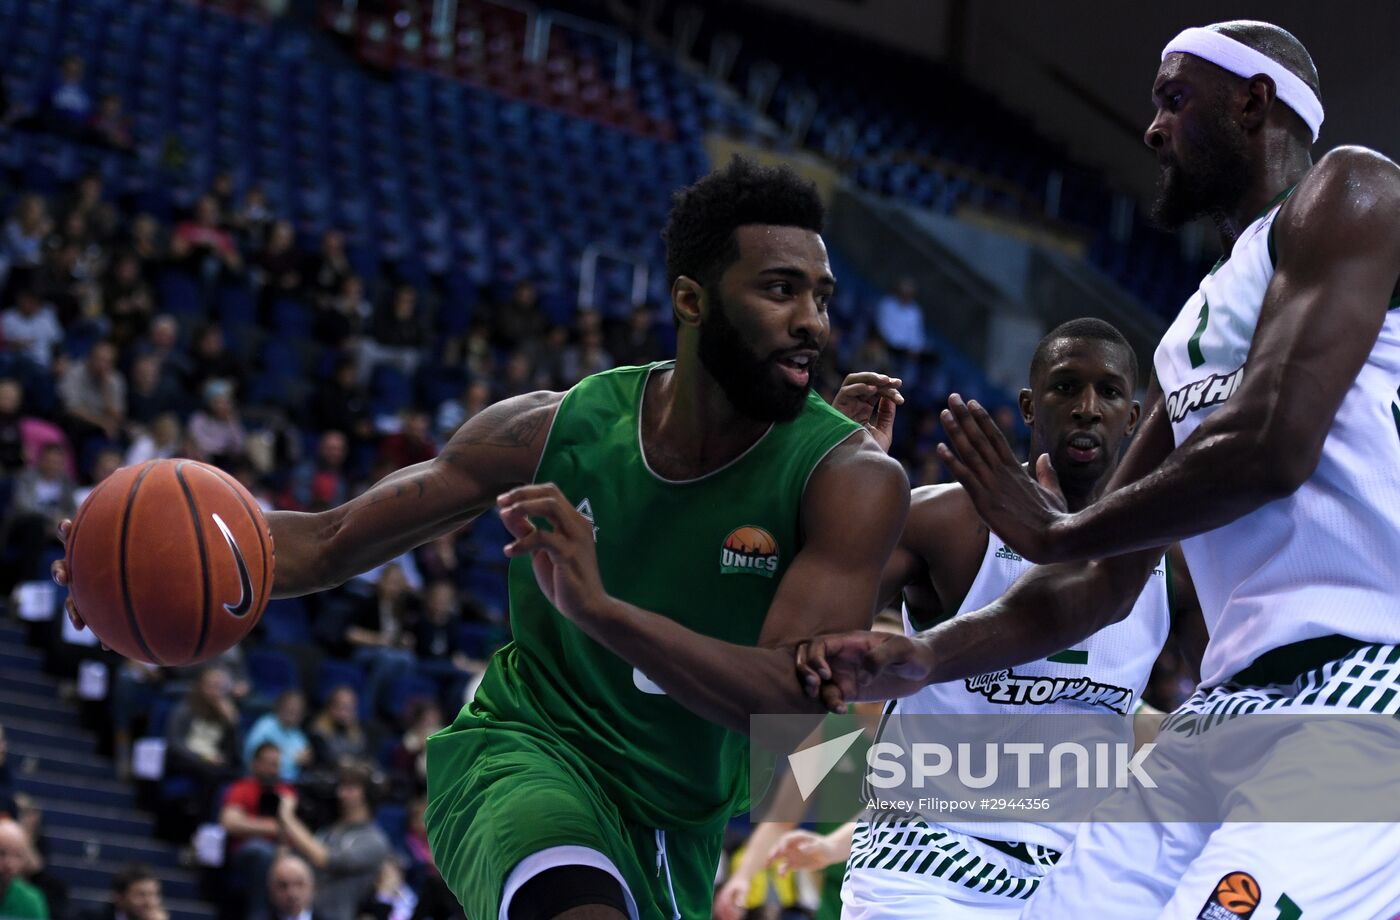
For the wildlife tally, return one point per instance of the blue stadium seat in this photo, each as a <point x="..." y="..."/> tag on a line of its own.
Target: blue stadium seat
<point x="272" y="671"/>
<point x="402" y="690"/>
<point x="336" y="673"/>
<point x="284" y="622"/>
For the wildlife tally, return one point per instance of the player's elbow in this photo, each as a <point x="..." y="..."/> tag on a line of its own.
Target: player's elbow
<point x="1281" y="461"/>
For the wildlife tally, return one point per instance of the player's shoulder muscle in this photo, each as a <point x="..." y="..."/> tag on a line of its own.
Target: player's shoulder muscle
<point x="856" y="485"/>
<point x="1352" y="194"/>
<point x="506" y="439"/>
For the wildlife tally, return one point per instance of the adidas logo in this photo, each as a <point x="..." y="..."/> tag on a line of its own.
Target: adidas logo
<point x="1006" y="552"/>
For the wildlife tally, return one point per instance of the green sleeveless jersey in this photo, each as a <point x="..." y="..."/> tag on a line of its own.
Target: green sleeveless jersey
<point x="708" y="553"/>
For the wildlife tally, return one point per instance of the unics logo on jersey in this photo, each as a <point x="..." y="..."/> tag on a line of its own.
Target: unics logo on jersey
<point x="1211" y="391"/>
<point x="749" y="549"/>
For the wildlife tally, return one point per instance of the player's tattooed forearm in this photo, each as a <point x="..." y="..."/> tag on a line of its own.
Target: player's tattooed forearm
<point x="389" y="492"/>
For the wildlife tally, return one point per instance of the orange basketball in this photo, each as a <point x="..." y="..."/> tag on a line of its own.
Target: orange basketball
<point x="1238" y="893"/>
<point x="170" y="562"/>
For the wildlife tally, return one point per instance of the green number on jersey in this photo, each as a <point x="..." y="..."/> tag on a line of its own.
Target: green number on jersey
<point x="1193" y="347"/>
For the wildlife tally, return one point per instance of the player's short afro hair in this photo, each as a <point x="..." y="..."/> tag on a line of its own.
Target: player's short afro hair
<point x="699" y="232"/>
<point x="1086" y="327"/>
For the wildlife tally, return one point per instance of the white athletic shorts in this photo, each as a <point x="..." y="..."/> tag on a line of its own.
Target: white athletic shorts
<point x="1133" y="861"/>
<point x="902" y="868"/>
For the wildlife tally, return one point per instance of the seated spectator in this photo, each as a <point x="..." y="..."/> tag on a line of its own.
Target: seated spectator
<point x="412" y="443"/>
<point x="248" y="815"/>
<point x="216" y="430"/>
<point x="43" y="496"/>
<point x="257" y="486"/>
<point x="70" y="103"/>
<point x="409" y="759"/>
<point x="331" y="267"/>
<point x="336" y="734"/>
<point x="474" y="351"/>
<point x="201" y="738"/>
<point x="36" y="870"/>
<point x="900" y="322"/>
<point x="341" y="404"/>
<point x="436" y="634"/>
<point x="587" y="359"/>
<point x="320" y="482"/>
<point x="415" y="833"/>
<point x="136" y="895"/>
<point x="346" y="854"/>
<point x="379" y="636"/>
<point x="291" y="890"/>
<point x="518" y="376"/>
<point x="163" y="341"/>
<point x="110" y="125"/>
<point x="88" y="202"/>
<point x="94" y="396"/>
<point x="63" y="276"/>
<point x="211" y="360"/>
<point x="31" y="326"/>
<point x="398" y="334"/>
<point x="134" y="689"/>
<point x="152" y="394"/>
<point x="453" y="412"/>
<point x="107" y="462"/>
<point x="636" y="342"/>
<point x="341" y="316"/>
<point x="11" y="433"/>
<point x="222" y="191"/>
<point x="23" y="245"/>
<point x="202" y="244"/>
<point x="520" y="322"/>
<point x="254" y="219"/>
<point x="437" y="561"/>
<point x="128" y="298"/>
<point x="149" y="245"/>
<point x="18" y="899"/>
<point x="282" y="728"/>
<point x="279" y="264"/>
<point x="392" y="898"/>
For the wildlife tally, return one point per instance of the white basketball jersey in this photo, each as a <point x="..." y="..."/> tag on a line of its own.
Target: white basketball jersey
<point x="1103" y="674"/>
<point x="1325" y="560"/>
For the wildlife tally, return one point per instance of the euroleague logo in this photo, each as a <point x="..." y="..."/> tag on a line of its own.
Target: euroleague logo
<point x="751" y="550"/>
<point x="1235" y="896"/>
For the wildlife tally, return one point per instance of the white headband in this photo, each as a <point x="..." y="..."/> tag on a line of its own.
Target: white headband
<point x="1242" y="60"/>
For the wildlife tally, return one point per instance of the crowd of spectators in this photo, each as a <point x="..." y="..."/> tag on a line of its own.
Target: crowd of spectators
<point x="220" y="331"/>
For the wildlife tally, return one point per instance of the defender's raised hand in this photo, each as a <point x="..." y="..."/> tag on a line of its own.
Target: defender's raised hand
<point x="871" y="399"/>
<point x="1019" y="508"/>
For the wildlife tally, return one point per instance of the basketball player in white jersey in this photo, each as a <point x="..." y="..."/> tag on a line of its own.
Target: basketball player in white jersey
<point x="1080" y="411"/>
<point x="1271" y="448"/>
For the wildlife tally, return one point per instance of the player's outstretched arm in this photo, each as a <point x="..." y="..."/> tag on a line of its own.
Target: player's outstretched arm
<point x="1337" y="241"/>
<point x="493" y="451"/>
<point x="1049" y="608"/>
<point x="499" y="448"/>
<point x="851" y="516"/>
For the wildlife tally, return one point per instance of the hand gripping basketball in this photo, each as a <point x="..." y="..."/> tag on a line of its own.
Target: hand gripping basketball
<point x="169" y="562"/>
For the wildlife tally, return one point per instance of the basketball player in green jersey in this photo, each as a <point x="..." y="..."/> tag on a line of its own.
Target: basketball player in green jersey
<point x="702" y="516"/>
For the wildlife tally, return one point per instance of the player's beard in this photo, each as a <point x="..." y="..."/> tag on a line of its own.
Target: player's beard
<point x="1218" y="177"/>
<point x="752" y="383"/>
